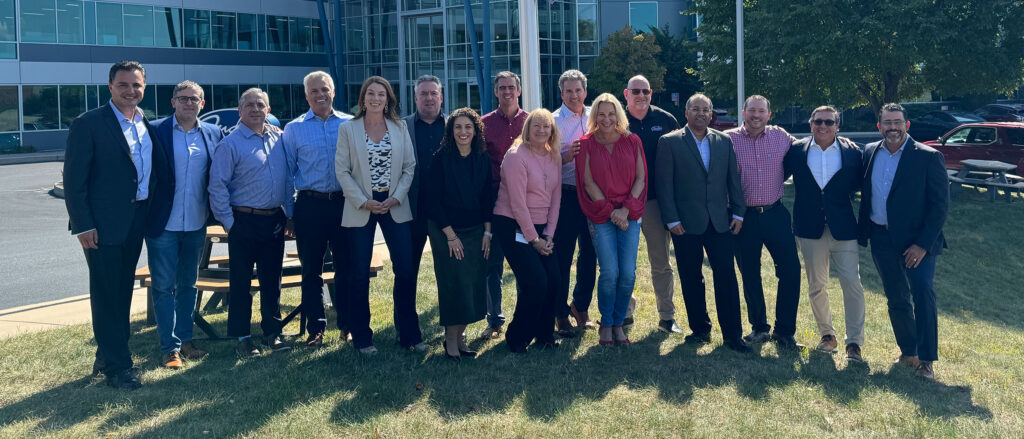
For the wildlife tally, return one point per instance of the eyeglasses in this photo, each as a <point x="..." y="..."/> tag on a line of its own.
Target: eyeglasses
<point x="636" y="91"/>
<point x="188" y="99"/>
<point x="827" y="122"/>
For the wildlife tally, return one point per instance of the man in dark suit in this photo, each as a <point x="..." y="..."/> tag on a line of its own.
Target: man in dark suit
<point x="702" y="205"/>
<point x="826" y="172"/>
<point x="111" y="166"/>
<point x="426" y="129"/>
<point x="903" y="206"/>
<point x="176" y="231"/>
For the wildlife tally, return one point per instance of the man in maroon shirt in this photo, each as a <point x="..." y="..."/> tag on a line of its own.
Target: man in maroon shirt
<point x="501" y="128"/>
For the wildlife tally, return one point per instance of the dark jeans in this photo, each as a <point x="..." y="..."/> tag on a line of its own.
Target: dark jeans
<point x="773" y="230"/>
<point x="255" y="239"/>
<point x="911" y="296"/>
<point x="317" y="228"/>
<point x="418" y="228"/>
<point x="111" y="282"/>
<point x="398" y="237"/>
<point x="538" y="282"/>
<point x="572" y="228"/>
<point x="690" y="250"/>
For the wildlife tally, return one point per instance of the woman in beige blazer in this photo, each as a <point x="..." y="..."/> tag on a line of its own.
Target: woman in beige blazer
<point x="374" y="162"/>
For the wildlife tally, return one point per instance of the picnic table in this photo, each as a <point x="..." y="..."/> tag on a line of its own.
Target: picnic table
<point x="990" y="174"/>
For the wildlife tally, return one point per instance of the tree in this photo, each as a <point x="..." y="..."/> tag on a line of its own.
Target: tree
<point x="855" y="52"/>
<point x="624" y="56"/>
<point x="679" y="59"/>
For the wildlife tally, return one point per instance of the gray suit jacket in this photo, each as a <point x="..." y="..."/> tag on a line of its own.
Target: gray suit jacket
<point x="692" y="195"/>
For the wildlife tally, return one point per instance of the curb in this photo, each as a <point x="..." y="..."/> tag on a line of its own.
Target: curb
<point x="35" y="157"/>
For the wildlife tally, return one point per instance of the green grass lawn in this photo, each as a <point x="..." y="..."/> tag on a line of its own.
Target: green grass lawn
<point x="658" y="387"/>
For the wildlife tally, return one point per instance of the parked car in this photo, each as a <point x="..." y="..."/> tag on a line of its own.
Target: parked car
<point x="1002" y="141"/>
<point x="1001" y="113"/>
<point x="721" y="121"/>
<point x="931" y="125"/>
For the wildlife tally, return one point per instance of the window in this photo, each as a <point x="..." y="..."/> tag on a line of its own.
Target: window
<point x="38" y="21"/>
<point x="163" y="100"/>
<point x="973" y="135"/>
<point x="277" y="33"/>
<point x="167" y="24"/>
<point x="8" y="108"/>
<point x="224" y="96"/>
<point x="587" y="26"/>
<point x="7" y="22"/>
<point x="109" y="27"/>
<point x="1016" y="135"/>
<point x="72" y="104"/>
<point x="197" y="28"/>
<point x="223" y="30"/>
<point x="247" y="32"/>
<point x="40" y="107"/>
<point x="280" y="101"/>
<point x="299" y="34"/>
<point x="148" y="103"/>
<point x="317" y="36"/>
<point x="138" y="26"/>
<point x="643" y="16"/>
<point x="70" y="25"/>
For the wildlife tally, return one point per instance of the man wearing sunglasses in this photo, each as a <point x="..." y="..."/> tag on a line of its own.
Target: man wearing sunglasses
<point x="760" y="151"/>
<point x="650" y="123"/>
<point x="826" y="172"/>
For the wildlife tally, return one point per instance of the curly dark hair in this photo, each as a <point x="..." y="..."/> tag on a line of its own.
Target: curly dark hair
<point x="448" y="142"/>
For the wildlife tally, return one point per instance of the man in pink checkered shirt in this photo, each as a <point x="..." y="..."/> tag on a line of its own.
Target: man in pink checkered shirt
<point x="760" y="151"/>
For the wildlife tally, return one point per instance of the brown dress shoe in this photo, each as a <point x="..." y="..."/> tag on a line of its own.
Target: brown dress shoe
<point x="315" y="341"/>
<point x="829" y="344"/>
<point x="246" y="348"/>
<point x="190" y="352"/>
<point x="853" y="353"/>
<point x="924" y="370"/>
<point x="172" y="360"/>
<point x="582" y="318"/>
<point x="564" y="328"/>
<point x="908" y="361"/>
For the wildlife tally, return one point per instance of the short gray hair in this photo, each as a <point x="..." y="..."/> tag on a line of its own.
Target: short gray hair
<point x="572" y="75"/>
<point x="699" y="97"/>
<point x="428" y="78"/>
<point x="259" y="93"/>
<point x="508" y="74"/>
<point x="186" y="84"/>
<point x="317" y="74"/>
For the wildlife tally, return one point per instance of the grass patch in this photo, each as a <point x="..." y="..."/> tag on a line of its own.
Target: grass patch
<point x="658" y="387"/>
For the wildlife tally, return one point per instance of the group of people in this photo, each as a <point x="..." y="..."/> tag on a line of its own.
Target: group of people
<point x="530" y="188"/>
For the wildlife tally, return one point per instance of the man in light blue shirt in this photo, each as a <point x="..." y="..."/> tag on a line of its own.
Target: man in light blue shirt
<point x="310" y="142"/>
<point x="252" y="194"/>
<point x="178" y="222"/>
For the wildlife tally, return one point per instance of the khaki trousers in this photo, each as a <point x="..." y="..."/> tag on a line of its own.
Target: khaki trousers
<point x="658" y="239"/>
<point x="817" y="255"/>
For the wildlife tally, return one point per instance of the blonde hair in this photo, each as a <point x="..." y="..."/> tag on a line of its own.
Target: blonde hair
<point x="621" y="123"/>
<point x="554" y="142"/>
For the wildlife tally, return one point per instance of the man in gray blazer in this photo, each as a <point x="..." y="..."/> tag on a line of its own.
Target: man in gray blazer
<point x="702" y="205"/>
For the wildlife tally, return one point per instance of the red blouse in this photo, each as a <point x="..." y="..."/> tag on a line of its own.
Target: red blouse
<point x="614" y="174"/>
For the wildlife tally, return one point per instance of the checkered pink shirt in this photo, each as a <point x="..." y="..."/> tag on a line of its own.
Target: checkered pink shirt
<point x="760" y="162"/>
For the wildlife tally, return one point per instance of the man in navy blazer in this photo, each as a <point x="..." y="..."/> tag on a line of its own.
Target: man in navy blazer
<point x="113" y="166"/>
<point x="176" y="230"/>
<point x="903" y="206"/>
<point x="826" y="172"/>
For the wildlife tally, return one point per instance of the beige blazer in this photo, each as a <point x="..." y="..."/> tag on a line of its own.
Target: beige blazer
<point x="351" y="164"/>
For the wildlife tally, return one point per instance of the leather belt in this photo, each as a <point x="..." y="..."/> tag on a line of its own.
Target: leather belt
<point x="762" y="209"/>
<point x="261" y="212"/>
<point x="323" y="195"/>
<point x="569" y="187"/>
<point x="385" y="190"/>
<point x="879" y="226"/>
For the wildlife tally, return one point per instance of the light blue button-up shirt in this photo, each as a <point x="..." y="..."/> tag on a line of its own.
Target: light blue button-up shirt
<point x="141" y="147"/>
<point x="882" y="173"/>
<point x="704" y="147"/>
<point x="191" y="161"/>
<point x="572" y="126"/>
<point x="309" y="144"/>
<point x="250" y="170"/>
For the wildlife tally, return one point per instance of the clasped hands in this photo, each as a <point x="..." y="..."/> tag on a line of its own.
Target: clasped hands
<point x="543" y="245"/>
<point x="380" y="207"/>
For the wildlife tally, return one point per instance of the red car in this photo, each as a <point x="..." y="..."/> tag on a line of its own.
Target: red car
<point x="721" y="121"/>
<point x="1002" y="141"/>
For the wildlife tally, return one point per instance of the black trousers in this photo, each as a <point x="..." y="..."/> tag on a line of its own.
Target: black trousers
<point x="255" y="239"/>
<point x="911" y="296"/>
<point x="572" y="228"/>
<point x="111" y="282"/>
<point x="418" y="227"/>
<point x="317" y="229"/>
<point x="773" y="230"/>
<point x="690" y="250"/>
<point x="538" y="281"/>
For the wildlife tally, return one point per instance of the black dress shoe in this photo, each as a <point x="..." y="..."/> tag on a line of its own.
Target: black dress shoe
<point x="701" y="338"/>
<point x="738" y="345"/>
<point x="469" y="354"/>
<point x="98" y="366"/>
<point x="123" y="380"/>
<point x="786" y="342"/>
<point x="517" y="349"/>
<point x="550" y="344"/>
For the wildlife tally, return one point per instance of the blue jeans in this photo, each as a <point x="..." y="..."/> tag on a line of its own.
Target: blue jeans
<point x="495" y="271"/>
<point x="616" y="256"/>
<point x="174" y="265"/>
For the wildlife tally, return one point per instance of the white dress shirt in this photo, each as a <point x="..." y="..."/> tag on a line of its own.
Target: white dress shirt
<point x="824" y="164"/>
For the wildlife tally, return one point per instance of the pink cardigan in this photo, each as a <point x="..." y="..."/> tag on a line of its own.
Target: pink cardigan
<point x="530" y="190"/>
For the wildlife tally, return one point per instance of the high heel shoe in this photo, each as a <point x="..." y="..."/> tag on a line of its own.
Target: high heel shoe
<point x="621" y="341"/>
<point x="444" y="347"/>
<point x="467" y="352"/>
<point x="602" y="341"/>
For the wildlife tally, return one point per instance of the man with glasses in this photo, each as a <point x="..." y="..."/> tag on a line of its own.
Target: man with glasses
<point x="904" y="200"/>
<point x="760" y="151"/>
<point x="826" y="172"/>
<point x="309" y="144"/>
<point x="426" y="129"/>
<point x="650" y="123"/>
<point x="177" y="225"/>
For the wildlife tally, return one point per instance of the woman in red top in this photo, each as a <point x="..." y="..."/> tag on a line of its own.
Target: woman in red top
<point x="614" y="177"/>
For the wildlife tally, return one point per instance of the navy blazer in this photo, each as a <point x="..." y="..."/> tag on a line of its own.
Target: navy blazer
<point x="160" y="204"/>
<point x="918" y="199"/>
<point x="814" y="207"/>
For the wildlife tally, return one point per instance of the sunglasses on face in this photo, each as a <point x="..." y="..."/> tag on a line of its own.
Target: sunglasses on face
<point x="827" y="122"/>
<point x="636" y="91"/>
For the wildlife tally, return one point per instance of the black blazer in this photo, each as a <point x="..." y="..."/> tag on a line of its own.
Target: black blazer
<point x="100" y="180"/>
<point x="918" y="199"/>
<point x="424" y="153"/>
<point x="160" y="203"/>
<point x="815" y="207"/>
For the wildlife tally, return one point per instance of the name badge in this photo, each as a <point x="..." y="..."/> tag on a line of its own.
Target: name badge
<point x="656" y="128"/>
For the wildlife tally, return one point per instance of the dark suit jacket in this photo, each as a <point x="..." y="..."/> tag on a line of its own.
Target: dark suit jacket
<point x="100" y="179"/>
<point x="423" y="155"/>
<point x="160" y="203"/>
<point x="918" y="199"/>
<point x="691" y="194"/>
<point x="815" y="207"/>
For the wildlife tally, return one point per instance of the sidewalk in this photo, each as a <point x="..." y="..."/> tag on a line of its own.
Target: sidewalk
<point x="32" y="157"/>
<point x="75" y="310"/>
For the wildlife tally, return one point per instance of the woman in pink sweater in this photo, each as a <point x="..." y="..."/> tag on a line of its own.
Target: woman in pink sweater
<point x="525" y="215"/>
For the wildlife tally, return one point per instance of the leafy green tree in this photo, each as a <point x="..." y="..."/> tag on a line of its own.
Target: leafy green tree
<point x="625" y="55"/>
<point x="680" y="61"/>
<point x="856" y="52"/>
